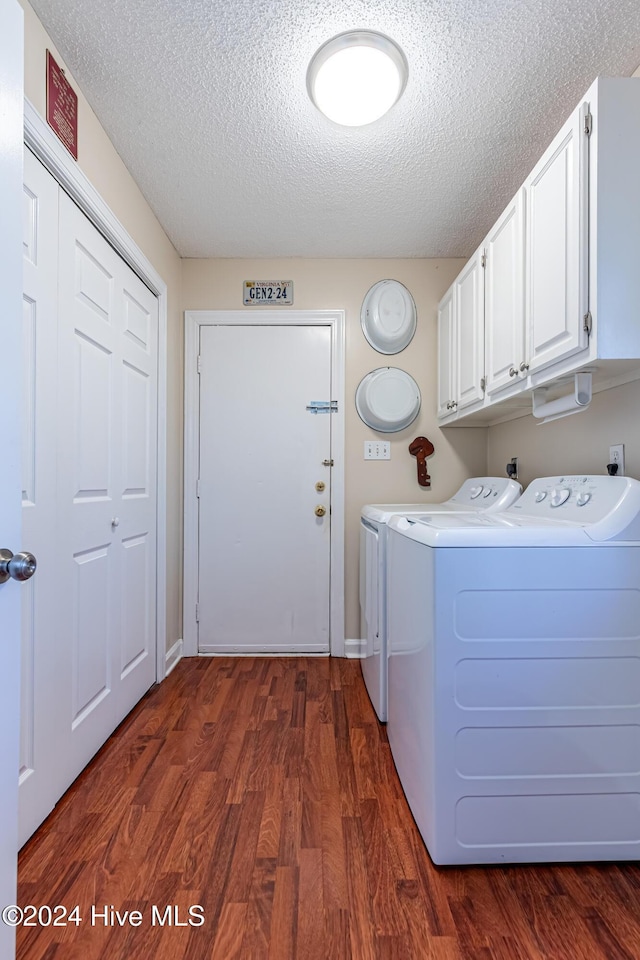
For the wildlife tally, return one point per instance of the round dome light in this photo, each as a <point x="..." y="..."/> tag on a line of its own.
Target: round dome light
<point x="356" y="77"/>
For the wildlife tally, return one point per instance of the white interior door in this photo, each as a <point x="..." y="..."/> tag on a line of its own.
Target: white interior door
<point x="108" y="329"/>
<point x="264" y="554"/>
<point x="11" y="101"/>
<point x="89" y="403"/>
<point x="42" y="678"/>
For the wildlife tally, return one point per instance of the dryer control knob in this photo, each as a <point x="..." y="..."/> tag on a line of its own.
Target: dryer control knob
<point x="583" y="498"/>
<point x="559" y="496"/>
<point x="486" y="493"/>
<point x="475" y="492"/>
<point x="540" y="496"/>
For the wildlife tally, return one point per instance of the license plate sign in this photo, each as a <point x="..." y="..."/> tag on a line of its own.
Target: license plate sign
<point x="268" y="292"/>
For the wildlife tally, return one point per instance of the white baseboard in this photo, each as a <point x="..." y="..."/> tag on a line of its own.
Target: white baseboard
<point x="173" y="656"/>
<point x="354" y="649"/>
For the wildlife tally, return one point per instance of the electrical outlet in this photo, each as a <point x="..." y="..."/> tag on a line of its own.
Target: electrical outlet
<point x="377" y="450"/>
<point x="616" y="455"/>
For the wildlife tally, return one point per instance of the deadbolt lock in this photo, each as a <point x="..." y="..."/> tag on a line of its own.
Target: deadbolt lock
<point x="320" y="510"/>
<point x="320" y="485"/>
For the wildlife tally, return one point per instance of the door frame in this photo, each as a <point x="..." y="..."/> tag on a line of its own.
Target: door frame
<point x="194" y="320"/>
<point x="41" y="140"/>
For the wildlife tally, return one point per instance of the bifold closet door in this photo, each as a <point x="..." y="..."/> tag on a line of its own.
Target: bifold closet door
<point x="106" y="484"/>
<point x="89" y="493"/>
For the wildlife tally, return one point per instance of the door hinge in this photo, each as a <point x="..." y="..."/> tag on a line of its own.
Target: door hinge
<point x="197" y="613"/>
<point x="483" y="384"/>
<point x="483" y="261"/>
<point x="322" y="406"/>
<point x="198" y="488"/>
<point x="327" y="463"/>
<point x="199" y="366"/>
<point x="588" y="323"/>
<point x="588" y="123"/>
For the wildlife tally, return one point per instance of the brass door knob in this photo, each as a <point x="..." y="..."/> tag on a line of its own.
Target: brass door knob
<point x="320" y="485"/>
<point x="320" y="510"/>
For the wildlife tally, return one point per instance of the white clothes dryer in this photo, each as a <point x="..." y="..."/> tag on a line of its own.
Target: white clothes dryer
<point x="488" y="494"/>
<point x="514" y="675"/>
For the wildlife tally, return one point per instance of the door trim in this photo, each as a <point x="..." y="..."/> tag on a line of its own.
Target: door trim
<point x="52" y="154"/>
<point x="194" y="320"/>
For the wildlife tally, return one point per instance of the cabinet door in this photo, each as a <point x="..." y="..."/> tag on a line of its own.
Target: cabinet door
<point x="556" y="265"/>
<point x="446" y="353"/>
<point x="504" y="298"/>
<point x="469" y="326"/>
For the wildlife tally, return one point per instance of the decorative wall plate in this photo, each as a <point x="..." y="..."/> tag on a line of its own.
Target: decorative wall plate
<point x="388" y="316"/>
<point x="388" y="399"/>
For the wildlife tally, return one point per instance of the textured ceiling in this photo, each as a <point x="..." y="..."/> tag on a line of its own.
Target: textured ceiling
<point x="206" y="102"/>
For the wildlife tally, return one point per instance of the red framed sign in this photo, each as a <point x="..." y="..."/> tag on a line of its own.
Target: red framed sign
<point x="62" y="106"/>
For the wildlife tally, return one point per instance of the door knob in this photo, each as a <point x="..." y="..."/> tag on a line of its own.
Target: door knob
<point x="320" y="510"/>
<point x="320" y="485"/>
<point x="20" y="566"/>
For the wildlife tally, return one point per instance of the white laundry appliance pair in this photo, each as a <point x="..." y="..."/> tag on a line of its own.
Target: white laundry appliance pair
<point x="486" y="494"/>
<point x="514" y="674"/>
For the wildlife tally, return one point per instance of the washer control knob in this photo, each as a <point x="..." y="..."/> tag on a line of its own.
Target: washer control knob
<point x="475" y="492"/>
<point x="559" y="495"/>
<point x="540" y="496"/>
<point x="583" y="498"/>
<point x="487" y="492"/>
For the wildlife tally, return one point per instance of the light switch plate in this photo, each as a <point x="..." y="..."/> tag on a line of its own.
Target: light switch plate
<point x="377" y="450"/>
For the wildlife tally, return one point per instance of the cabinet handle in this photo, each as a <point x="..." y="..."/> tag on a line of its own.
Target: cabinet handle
<point x="523" y="366"/>
<point x="513" y="372"/>
<point x="454" y="404"/>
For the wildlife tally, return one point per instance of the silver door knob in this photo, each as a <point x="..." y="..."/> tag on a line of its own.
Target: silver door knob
<point x="513" y="372"/>
<point x="20" y="566"/>
<point x="115" y="522"/>
<point x="523" y="367"/>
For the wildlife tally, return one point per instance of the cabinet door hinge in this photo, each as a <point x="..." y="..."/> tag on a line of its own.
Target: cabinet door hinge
<point x="199" y="367"/>
<point x="483" y="261"/>
<point x="197" y="613"/>
<point x="198" y="488"/>
<point x="588" y="123"/>
<point x="483" y="384"/>
<point x="588" y="323"/>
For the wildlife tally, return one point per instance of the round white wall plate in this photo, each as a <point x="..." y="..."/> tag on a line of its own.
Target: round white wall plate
<point x="388" y="316"/>
<point x="388" y="399"/>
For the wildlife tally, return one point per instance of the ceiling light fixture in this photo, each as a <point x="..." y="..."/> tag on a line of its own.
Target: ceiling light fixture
<point x="356" y="77"/>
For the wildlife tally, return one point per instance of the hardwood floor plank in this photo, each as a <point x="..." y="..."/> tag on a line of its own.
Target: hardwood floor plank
<point x="284" y="919"/>
<point x="311" y="938"/>
<point x="230" y="934"/>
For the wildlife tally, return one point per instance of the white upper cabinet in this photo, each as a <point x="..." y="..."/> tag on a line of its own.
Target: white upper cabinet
<point x="560" y="288"/>
<point x="556" y="245"/>
<point x="468" y="304"/>
<point x="506" y="358"/>
<point x="446" y="356"/>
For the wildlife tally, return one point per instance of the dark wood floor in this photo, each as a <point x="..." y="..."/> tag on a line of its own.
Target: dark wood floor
<point x="264" y="791"/>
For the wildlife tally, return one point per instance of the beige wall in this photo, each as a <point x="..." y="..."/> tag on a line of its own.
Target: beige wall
<point x="106" y="171"/>
<point x="325" y="284"/>
<point x="575" y="444"/>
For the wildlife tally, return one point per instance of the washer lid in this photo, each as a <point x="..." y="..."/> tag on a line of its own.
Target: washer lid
<point x="388" y="399"/>
<point x="388" y="316"/>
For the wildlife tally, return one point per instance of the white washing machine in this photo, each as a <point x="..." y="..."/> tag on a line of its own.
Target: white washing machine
<point x="489" y="494"/>
<point x="514" y="675"/>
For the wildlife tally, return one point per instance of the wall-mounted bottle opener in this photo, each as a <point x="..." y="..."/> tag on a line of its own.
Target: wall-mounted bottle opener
<point x="421" y="448"/>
